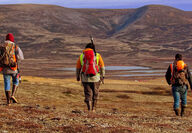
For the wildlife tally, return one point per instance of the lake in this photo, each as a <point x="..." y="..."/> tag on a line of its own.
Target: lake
<point x="126" y="71"/>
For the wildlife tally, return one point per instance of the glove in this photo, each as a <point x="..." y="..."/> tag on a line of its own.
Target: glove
<point x="78" y="78"/>
<point x="102" y="79"/>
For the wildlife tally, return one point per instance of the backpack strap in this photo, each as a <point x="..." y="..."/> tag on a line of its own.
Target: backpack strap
<point x="81" y="59"/>
<point x="172" y="71"/>
<point x="15" y="48"/>
<point x="97" y="58"/>
<point x="171" y="67"/>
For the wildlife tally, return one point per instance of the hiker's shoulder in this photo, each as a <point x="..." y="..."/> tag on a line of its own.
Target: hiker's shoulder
<point x="98" y="54"/>
<point x="8" y="42"/>
<point x="186" y="66"/>
<point x="81" y="55"/>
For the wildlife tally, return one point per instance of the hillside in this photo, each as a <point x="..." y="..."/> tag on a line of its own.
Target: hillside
<point x="157" y="21"/>
<point x="53" y="36"/>
<point x="167" y="29"/>
<point x="124" y="106"/>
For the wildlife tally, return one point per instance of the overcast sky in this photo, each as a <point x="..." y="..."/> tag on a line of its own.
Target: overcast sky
<point x="181" y="4"/>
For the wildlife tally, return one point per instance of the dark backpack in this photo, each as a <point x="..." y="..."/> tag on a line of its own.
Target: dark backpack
<point x="7" y="55"/>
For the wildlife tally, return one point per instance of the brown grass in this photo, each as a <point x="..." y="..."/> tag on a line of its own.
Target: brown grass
<point x="56" y="105"/>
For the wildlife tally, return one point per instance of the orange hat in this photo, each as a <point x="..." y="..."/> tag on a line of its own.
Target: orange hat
<point x="180" y="65"/>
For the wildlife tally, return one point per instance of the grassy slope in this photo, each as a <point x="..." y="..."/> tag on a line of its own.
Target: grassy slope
<point x="124" y="106"/>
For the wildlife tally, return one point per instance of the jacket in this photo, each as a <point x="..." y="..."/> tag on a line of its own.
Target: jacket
<point x="18" y="57"/>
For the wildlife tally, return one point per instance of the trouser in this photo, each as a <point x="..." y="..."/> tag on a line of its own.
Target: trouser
<point x="7" y="86"/>
<point x="179" y="93"/>
<point x="7" y="82"/>
<point x="91" y="91"/>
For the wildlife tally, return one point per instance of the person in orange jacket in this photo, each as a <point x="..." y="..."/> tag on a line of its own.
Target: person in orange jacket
<point x="90" y="83"/>
<point x="11" y="72"/>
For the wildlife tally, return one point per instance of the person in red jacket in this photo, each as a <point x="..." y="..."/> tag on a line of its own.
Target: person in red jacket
<point x="91" y="82"/>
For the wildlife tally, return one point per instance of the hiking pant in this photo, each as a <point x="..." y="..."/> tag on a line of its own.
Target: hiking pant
<point x="7" y="82"/>
<point x="179" y="92"/>
<point x="91" y="90"/>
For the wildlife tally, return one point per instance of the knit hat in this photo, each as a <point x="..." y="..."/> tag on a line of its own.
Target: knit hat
<point x="180" y="65"/>
<point x="10" y="37"/>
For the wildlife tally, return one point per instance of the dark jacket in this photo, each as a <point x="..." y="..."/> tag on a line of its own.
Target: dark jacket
<point x="169" y="75"/>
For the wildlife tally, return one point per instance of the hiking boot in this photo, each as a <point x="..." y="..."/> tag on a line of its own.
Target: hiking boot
<point x="14" y="99"/>
<point x="13" y="93"/>
<point x="183" y="110"/>
<point x="94" y="103"/>
<point x="88" y="105"/>
<point x="176" y="112"/>
<point x="8" y="96"/>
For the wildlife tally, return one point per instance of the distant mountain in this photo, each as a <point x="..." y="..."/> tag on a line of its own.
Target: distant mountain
<point x="46" y="31"/>
<point x="152" y="19"/>
<point x="61" y="20"/>
<point x="159" y="24"/>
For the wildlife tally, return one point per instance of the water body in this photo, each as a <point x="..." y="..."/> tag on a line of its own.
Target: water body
<point x="146" y="71"/>
<point x="111" y="68"/>
<point x="139" y="75"/>
<point x="118" y="68"/>
<point x="65" y="69"/>
<point x="127" y="71"/>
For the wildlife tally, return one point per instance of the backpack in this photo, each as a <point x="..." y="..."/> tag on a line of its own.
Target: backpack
<point x="7" y="55"/>
<point x="90" y="67"/>
<point x="179" y="77"/>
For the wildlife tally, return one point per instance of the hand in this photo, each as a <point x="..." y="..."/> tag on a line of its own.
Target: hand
<point x="78" y="78"/>
<point x="102" y="79"/>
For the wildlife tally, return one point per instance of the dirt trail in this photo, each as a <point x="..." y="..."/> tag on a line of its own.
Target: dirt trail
<point x="56" y="105"/>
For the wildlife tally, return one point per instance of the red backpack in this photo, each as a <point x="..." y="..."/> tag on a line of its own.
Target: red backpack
<point x="90" y="66"/>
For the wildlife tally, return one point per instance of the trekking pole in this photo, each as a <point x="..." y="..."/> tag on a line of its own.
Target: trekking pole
<point x="102" y="80"/>
<point x="18" y="77"/>
<point x="18" y="72"/>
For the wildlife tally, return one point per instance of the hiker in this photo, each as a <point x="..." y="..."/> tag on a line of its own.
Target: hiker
<point x="91" y="71"/>
<point x="178" y="75"/>
<point x="10" y="55"/>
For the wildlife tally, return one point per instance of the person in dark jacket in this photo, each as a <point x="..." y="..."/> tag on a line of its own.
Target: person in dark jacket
<point x="179" y="77"/>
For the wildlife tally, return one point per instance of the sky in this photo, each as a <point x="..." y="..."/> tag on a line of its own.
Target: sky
<point x="107" y="4"/>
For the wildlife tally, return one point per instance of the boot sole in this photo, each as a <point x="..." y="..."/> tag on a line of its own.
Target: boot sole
<point x="14" y="99"/>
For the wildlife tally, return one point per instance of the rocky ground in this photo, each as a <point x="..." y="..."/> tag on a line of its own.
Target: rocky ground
<point x="56" y="105"/>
